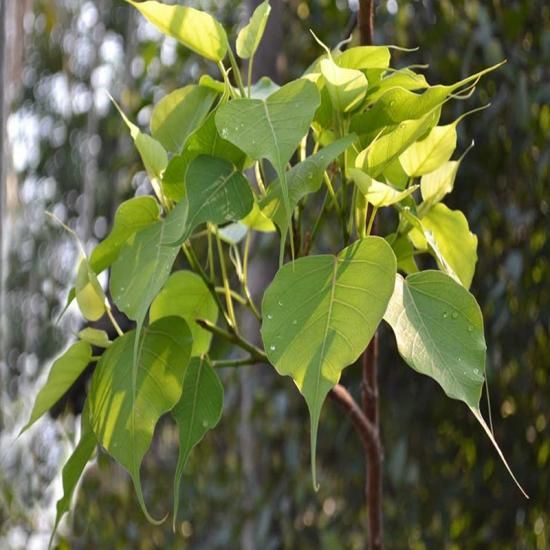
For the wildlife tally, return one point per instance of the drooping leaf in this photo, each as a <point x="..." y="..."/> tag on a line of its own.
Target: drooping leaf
<point x="347" y="87"/>
<point x="250" y="36"/>
<point x="179" y="113"/>
<point x="126" y="405"/>
<point x="439" y="331"/>
<point x="195" y="29"/>
<point x="198" y="411"/>
<point x="95" y="337"/>
<point x="377" y="193"/>
<point x="88" y="292"/>
<point x="454" y="240"/>
<point x="263" y="88"/>
<point x="131" y="216"/>
<point x="185" y="294"/>
<point x="320" y="312"/>
<point x="435" y="185"/>
<point x="364" y="57"/>
<point x="384" y="150"/>
<point x="302" y="179"/>
<point x="65" y="370"/>
<point x="204" y="141"/>
<point x="72" y="472"/>
<point x="272" y="128"/>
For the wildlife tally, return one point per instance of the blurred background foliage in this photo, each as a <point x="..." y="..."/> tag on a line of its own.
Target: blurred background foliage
<point x="248" y="484"/>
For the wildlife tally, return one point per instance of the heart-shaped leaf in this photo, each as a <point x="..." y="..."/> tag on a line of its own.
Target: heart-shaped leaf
<point x="319" y="314"/>
<point x="198" y="411"/>
<point x="195" y="29"/>
<point x="126" y="403"/>
<point x="250" y="36"/>
<point x="185" y="294"/>
<point x="88" y="292"/>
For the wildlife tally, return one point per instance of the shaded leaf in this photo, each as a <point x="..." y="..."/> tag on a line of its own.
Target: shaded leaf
<point x="186" y="295"/>
<point x="195" y="29"/>
<point x="88" y="292"/>
<point x="198" y="411"/>
<point x="95" y="337"/>
<point x="126" y="403"/>
<point x="319" y="314"/>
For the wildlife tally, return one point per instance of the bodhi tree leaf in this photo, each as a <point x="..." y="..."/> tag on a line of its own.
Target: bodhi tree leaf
<point x="347" y="87"/>
<point x="73" y="470"/>
<point x="364" y="57"/>
<point x="320" y="312"/>
<point x="179" y="113"/>
<point x="384" y="150"/>
<point x="195" y="29"/>
<point x="126" y="403"/>
<point x="131" y="216"/>
<point x="271" y="128"/>
<point x="250" y="36"/>
<point x="439" y="331"/>
<point x="198" y="411"/>
<point x="65" y="370"/>
<point x="185" y="294"/>
<point x="88" y="292"/>
<point x="302" y="179"/>
<point x="95" y="337"/>
<point x="377" y="193"/>
<point x="404" y="252"/>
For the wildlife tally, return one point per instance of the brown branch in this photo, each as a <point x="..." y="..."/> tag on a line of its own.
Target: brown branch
<point x="365" y="21"/>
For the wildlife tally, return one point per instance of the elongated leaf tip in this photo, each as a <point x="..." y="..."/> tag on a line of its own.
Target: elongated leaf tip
<point x="477" y="413"/>
<point x="141" y="500"/>
<point x="402" y="48"/>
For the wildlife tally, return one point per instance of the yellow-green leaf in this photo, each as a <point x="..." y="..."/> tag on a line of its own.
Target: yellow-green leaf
<point x="346" y="87"/>
<point x="88" y="292"/>
<point x="250" y="36"/>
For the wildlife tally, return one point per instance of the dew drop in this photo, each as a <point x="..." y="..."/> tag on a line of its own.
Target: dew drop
<point x="269" y="316"/>
<point x="445" y="315"/>
<point x="204" y="424"/>
<point x="470" y="328"/>
<point x="476" y="371"/>
<point x="280" y="303"/>
<point x="294" y="322"/>
<point x="392" y="103"/>
<point x="454" y="315"/>
<point x="272" y="348"/>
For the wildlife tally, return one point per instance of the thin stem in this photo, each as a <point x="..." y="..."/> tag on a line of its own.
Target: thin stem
<point x="225" y="278"/>
<point x="235" y="362"/>
<point x="236" y="71"/>
<point x="235" y="295"/>
<point x="250" y="64"/>
<point x="226" y="78"/>
<point x="371" y="220"/>
<point x="235" y="338"/>
<point x="246" y="290"/>
<point x="332" y="194"/>
<point x="116" y="326"/>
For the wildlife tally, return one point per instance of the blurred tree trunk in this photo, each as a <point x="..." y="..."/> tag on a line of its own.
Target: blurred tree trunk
<point x="3" y="157"/>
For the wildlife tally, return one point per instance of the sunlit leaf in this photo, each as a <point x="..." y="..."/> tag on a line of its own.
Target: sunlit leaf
<point x="364" y="57"/>
<point x="131" y="216"/>
<point x="126" y="403"/>
<point x="347" y="87"/>
<point x="302" y="179"/>
<point x="377" y="193"/>
<point x="195" y="29"/>
<point x="435" y="185"/>
<point x="185" y="294"/>
<point x="319" y="314"/>
<point x="88" y="292"/>
<point x="250" y="36"/>
<point x="198" y="411"/>
<point x="257" y="220"/>
<point x="179" y="113"/>
<point x="95" y="337"/>
<point x="63" y="373"/>
<point x="263" y="88"/>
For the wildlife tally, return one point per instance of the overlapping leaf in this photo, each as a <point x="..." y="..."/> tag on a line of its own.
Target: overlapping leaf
<point x="250" y="36"/>
<point x="319" y="314"/>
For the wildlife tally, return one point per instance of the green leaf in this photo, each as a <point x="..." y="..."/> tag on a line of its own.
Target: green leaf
<point x="185" y="294"/>
<point x="404" y="252"/>
<point x="302" y="179"/>
<point x="263" y="88"/>
<point x="250" y="36"/>
<point x="258" y="221"/>
<point x="454" y="240"/>
<point x="365" y="57"/>
<point x="131" y="216"/>
<point x="405" y="78"/>
<point x="377" y="193"/>
<point x="65" y="370"/>
<point x="88" y="292"/>
<point x="435" y="185"/>
<point x="206" y="141"/>
<point x="347" y="87"/>
<point x="195" y="29"/>
<point x="428" y="154"/>
<point x="95" y="337"/>
<point x="320" y="312"/>
<point x="179" y="114"/>
<point x="72" y="472"/>
<point x="271" y="128"/>
<point x="126" y="403"/>
<point x="384" y="150"/>
<point x="439" y="331"/>
<point x="198" y="411"/>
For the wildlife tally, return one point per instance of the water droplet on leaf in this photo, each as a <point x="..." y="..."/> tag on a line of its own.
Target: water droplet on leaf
<point x="269" y="316"/>
<point x="454" y="315"/>
<point x="272" y="348"/>
<point x="445" y="315"/>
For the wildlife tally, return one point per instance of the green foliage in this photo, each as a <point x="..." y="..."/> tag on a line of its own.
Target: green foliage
<point x="369" y="133"/>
